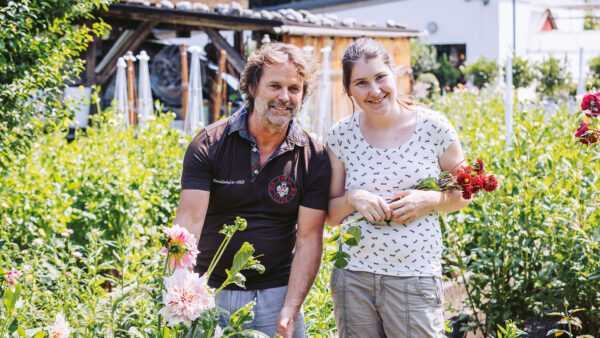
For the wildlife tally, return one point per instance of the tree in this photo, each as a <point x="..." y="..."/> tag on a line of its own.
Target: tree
<point x="446" y="73"/>
<point x="422" y="57"/>
<point x="40" y="42"/>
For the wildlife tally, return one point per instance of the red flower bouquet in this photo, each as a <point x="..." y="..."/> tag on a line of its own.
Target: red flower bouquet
<point x="470" y="180"/>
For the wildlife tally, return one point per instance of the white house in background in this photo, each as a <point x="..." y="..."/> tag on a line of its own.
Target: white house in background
<point x="467" y="29"/>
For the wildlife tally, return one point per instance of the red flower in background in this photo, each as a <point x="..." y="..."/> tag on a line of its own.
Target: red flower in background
<point x="587" y="134"/>
<point x="591" y="105"/>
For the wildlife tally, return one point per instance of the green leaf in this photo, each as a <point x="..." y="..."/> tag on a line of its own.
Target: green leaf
<point x="356" y="234"/>
<point x="10" y="298"/>
<point x="238" y="319"/>
<point x="242" y="260"/>
<point x="119" y="300"/>
<point x="332" y="240"/>
<point x="339" y="259"/>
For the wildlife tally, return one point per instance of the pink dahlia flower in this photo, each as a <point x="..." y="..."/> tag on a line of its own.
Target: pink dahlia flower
<point x="60" y="328"/>
<point x="185" y="297"/>
<point x="182" y="246"/>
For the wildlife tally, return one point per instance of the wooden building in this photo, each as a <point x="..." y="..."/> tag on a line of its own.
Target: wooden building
<point x="135" y="27"/>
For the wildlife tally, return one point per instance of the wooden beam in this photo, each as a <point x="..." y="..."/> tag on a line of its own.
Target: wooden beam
<point x="238" y="42"/>
<point x="132" y="43"/>
<point x="192" y="18"/>
<point x="131" y="92"/>
<point x="218" y="87"/>
<point x="233" y="57"/>
<point x="184" y="81"/>
<point x="90" y="62"/>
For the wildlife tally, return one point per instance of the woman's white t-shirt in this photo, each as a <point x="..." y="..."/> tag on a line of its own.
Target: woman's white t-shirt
<point x="412" y="249"/>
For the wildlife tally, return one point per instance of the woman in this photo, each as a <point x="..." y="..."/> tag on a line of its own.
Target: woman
<point x="392" y="284"/>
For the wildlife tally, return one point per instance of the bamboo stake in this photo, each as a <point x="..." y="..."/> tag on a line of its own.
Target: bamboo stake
<point x="218" y="87"/>
<point x="131" y="92"/>
<point x="184" y="81"/>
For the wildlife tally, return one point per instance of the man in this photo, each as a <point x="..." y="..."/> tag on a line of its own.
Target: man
<point x="260" y="165"/>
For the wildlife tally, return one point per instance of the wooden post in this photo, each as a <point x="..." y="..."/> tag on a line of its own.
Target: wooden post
<point x="184" y="81"/>
<point x="218" y="87"/>
<point x="131" y="93"/>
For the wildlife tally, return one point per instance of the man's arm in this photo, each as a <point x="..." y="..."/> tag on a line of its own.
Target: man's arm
<point x="191" y="211"/>
<point x="307" y="259"/>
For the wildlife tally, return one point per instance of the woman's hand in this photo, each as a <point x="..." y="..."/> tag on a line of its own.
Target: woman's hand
<point x="374" y="208"/>
<point x="409" y="205"/>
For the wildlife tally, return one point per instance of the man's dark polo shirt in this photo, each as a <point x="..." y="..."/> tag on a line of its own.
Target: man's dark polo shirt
<point x="223" y="158"/>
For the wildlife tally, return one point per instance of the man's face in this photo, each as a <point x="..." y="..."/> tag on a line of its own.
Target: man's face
<point x="279" y="94"/>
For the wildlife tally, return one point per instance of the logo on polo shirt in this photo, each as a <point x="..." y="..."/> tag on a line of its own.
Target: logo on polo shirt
<point x="282" y="189"/>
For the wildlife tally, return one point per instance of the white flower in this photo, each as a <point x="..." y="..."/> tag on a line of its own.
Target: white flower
<point x="185" y="297"/>
<point x="60" y="328"/>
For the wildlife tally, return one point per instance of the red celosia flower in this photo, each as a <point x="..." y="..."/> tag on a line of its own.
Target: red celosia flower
<point x="587" y="134"/>
<point x="490" y="183"/>
<point x="591" y="104"/>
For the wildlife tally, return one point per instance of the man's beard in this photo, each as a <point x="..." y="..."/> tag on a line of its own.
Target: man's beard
<point x="276" y="119"/>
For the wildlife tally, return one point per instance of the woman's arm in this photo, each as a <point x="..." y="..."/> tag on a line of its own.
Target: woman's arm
<point x="343" y="203"/>
<point x="412" y="204"/>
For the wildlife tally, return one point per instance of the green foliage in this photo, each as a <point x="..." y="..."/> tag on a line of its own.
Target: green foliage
<point x="446" y="73"/>
<point x="510" y="330"/>
<point x="349" y="236"/>
<point x="552" y="76"/>
<point x="593" y="81"/>
<point x="482" y="72"/>
<point x="522" y="72"/>
<point x="534" y="240"/>
<point x="590" y="22"/>
<point x="423" y="57"/>
<point x="40" y="42"/>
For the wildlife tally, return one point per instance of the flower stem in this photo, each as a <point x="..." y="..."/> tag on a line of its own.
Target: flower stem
<point x="352" y="221"/>
<point x="217" y="256"/>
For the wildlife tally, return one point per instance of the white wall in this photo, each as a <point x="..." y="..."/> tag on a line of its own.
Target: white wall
<point x="487" y="30"/>
<point x="459" y="21"/>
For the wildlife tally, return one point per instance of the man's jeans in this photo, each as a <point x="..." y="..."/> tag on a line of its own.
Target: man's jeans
<point x="266" y="310"/>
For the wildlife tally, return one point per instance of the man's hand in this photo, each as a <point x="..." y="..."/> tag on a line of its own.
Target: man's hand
<point x="286" y="322"/>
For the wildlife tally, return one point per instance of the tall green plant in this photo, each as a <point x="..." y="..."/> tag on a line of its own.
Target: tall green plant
<point x="593" y="81"/>
<point x="552" y="76"/>
<point x="522" y="72"/>
<point x="535" y="240"/>
<point x="423" y="57"/>
<point x="482" y="72"/>
<point x="446" y="73"/>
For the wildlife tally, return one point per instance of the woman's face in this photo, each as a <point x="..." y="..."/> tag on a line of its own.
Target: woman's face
<point x="373" y="86"/>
